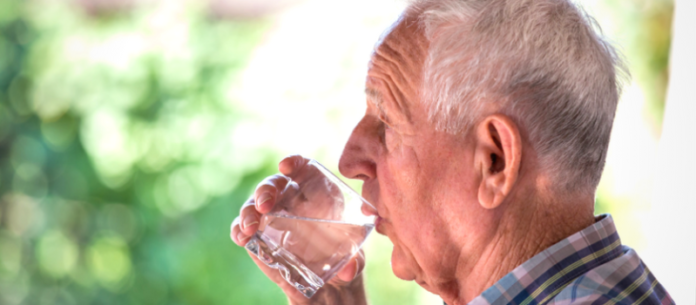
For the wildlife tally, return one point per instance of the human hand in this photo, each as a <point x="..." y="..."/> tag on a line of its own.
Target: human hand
<point x="344" y="288"/>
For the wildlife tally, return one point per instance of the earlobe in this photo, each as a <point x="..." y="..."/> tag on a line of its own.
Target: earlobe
<point x="498" y="154"/>
<point x="487" y="198"/>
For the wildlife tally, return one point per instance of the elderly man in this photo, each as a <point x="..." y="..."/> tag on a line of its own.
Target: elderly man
<point x="484" y="139"/>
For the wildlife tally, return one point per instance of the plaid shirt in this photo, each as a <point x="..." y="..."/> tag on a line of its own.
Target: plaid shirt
<point x="589" y="267"/>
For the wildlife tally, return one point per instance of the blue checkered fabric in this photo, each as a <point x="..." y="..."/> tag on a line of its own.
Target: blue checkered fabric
<point x="589" y="267"/>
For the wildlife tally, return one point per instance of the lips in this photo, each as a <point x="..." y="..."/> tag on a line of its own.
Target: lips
<point x="371" y="210"/>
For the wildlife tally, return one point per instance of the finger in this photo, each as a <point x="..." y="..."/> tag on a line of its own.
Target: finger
<point x="349" y="271"/>
<point x="267" y="191"/>
<point x="291" y="164"/>
<point x="236" y="233"/>
<point x="299" y="169"/>
<point x="353" y="268"/>
<point x="249" y="218"/>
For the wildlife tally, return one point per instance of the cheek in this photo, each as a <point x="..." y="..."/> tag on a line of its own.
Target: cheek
<point x="407" y="204"/>
<point x="403" y="163"/>
<point x="399" y="179"/>
<point x="403" y="182"/>
<point x="418" y="247"/>
<point x="392" y="141"/>
<point x="415" y="180"/>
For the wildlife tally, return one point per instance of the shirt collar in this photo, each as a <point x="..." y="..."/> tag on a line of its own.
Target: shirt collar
<point x="543" y="276"/>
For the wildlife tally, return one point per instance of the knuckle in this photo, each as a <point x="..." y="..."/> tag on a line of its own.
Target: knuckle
<point x="266" y="184"/>
<point x="300" y="162"/>
<point x="293" y="162"/>
<point x="277" y="177"/>
<point x="262" y="184"/>
<point x="292" y="157"/>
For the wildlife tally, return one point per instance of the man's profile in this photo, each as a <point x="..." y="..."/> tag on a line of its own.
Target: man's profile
<point x="484" y="139"/>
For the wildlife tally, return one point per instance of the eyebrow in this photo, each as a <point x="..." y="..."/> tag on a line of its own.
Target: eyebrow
<point x="375" y="97"/>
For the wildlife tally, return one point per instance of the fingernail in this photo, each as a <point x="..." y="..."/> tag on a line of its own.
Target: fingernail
<point x="249" y="221"/>
<point x="263" y="199"/>
<point x="240" y="237"/>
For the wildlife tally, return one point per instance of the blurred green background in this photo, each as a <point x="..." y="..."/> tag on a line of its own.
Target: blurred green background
<point x="132" y="131"/>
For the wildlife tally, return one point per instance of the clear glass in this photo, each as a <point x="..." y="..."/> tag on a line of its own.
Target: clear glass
<point x="317" y="224"/>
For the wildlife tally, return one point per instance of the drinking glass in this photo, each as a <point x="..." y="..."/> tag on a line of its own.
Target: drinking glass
<point x="317" y="224"/>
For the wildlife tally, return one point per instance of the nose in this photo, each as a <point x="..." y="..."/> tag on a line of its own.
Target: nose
<point x="358" y="160"/>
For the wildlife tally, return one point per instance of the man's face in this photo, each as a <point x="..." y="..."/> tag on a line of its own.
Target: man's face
<point x="421" y="181"/>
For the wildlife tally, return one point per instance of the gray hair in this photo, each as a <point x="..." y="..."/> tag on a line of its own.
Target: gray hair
<point x="542" y="62"/>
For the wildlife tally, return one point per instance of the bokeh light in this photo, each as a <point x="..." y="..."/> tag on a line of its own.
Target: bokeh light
<point x="56" y="254"/>
<point x="109" y="261"/>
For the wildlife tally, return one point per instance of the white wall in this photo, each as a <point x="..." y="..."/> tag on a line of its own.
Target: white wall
<point x="671" y="226"/>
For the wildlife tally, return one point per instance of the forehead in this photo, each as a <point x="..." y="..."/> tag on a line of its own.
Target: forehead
<point x="394" y="75"/>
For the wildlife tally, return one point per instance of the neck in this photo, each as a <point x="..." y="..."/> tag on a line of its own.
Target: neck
<point x="524" y="228"/>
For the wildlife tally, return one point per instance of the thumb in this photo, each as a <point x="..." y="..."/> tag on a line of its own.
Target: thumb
<point x="353" y="268"/>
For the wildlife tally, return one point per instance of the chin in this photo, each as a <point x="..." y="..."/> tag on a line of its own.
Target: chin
<point x="400" y="267"/>
<point x="403" y="275"/>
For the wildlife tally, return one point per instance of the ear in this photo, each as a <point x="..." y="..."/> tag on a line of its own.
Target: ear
<point x="498" y="154"/>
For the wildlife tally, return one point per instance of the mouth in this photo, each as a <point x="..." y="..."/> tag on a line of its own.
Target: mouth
<point x="369" y="210"/>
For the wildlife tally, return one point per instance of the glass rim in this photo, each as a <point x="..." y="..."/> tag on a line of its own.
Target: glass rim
<point x="335" y="179"/>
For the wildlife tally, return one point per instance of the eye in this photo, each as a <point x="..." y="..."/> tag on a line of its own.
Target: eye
<point x="381" y="130"/>
<point x="384" y="120"/>
<point x="387" y="134"/>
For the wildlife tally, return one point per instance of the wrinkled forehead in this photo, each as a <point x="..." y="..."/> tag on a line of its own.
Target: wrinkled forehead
<point x="396" y="65"/>
<point x="406" y="37"/>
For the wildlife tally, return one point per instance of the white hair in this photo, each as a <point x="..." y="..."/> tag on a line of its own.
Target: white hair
<point x="542" y="62"/>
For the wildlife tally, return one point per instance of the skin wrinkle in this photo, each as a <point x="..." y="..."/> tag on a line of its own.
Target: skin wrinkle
<point x="450" y="254"/>
<point x="486" y="260"/>
<point x="385" y="108"/>
<point x="412" y="50"/>
<point x="386" y="118"/>
<point x="389" y="51"/>
<point x="375" y="98"/>
<point x="393" y="59"/>
<point x="391" y="89"/>
<point x="377" y="82"/>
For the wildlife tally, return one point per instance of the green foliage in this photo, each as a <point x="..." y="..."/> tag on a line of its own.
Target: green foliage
<point x="118" y="174"/>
